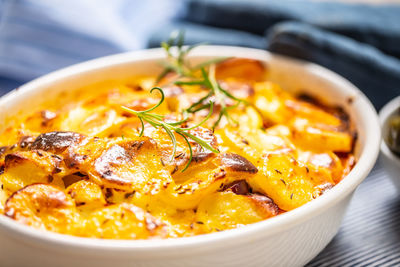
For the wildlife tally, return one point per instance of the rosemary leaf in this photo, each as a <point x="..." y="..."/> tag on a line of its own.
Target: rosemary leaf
<point x="157" y="121"/>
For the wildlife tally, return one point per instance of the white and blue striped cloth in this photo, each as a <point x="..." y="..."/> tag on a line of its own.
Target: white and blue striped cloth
<point x="39" y="36"/>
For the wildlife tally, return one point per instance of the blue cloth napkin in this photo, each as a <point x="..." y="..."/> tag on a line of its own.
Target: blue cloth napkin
<point x="361" y="42"/>
<point x="197" y="33"/>
<point x="377" y="25"/>
<point x="376" y="73"/>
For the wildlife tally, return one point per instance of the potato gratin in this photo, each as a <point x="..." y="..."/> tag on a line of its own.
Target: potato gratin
<point x="84" y="167"/>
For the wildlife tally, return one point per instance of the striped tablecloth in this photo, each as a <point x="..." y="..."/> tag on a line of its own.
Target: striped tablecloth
<point x="370" y="232"/>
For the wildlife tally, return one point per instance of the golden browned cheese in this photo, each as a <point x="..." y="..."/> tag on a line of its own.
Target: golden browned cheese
<point x="81" y="167"/>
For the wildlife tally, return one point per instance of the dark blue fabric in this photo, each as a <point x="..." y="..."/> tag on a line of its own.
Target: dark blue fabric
<point x="7" y="84"/>
<point x="377" y="74"/>
<point x="378" y="25"/>
<point x="361" y="42"/>
<point x="196" y="33"/>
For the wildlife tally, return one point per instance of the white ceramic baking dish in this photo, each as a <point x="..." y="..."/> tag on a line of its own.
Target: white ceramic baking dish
<point x="290" y="239"/>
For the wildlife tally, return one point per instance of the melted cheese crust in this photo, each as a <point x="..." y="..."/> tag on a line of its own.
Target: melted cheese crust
<point x="80" y="168"/>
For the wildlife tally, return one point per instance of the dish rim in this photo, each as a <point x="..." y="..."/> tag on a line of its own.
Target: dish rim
<point x="384" y="114"/>
<point x="249" y="233"/>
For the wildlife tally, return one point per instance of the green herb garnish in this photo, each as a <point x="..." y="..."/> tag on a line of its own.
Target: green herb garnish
<point x="215" y="91"/>
<point x="176" y="60"/>
<point x="157" y="121"/>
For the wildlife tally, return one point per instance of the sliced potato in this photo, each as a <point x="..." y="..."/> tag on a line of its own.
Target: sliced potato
<point x="56" y="142"/>
<point x="27" y="167"/>
<point x="86" y="194"/>
<point x="89" y="121"/>
<point x="252" y="144"/>
<point x="207" y="178"/>
<point x="44" y="207"/>
<point x="226" y="210"/>
<point x="241" y="68"/>
<point x="80" y="156"/>
<point x="288" y="182"/>
<point x="123" y="221"/>
<point x="247" y="118"/>
<point x="317" y="138"/>
<point x="131" y="165"/>
<point x="312" y="112"/>
<point x="41" y="121"/>
<point x="325" y="160"/>
<point x="270" y="102"/>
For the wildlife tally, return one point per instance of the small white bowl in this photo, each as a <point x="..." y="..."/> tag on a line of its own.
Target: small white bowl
<point x="290" y="239"/>
<point x="391" y="161"/>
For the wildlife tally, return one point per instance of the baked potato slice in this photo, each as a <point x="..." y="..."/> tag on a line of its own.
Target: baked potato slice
<point x="78" y="157"/>
<point x="227" y="210"/>
<point x="241" y="68"/>
<point x="23" y="168"/>
<point x="41" y="121"/>
<point x="56" y="142"/>
<point x="328" y="161"/>
<point x="270" y="102"/>
<point x="247" y="118"/>
<point x="89" y="121"/>
<point x="252" y="144"/>
<point x="288" y="182"/>
<point x="131" y="165"/>
<point x="87" y="195"/>
<point x="207" y="178"/>
<point x="123" y="221"/>
<point x="44" y="207"/>
<point x="312" y="113"/>
<point x="320" y="137"/>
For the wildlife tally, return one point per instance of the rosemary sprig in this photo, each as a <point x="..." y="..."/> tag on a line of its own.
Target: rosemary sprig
<point x="221" y="96"/>
<point x="157" y="121"/>
<point x="176" y="62"/>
